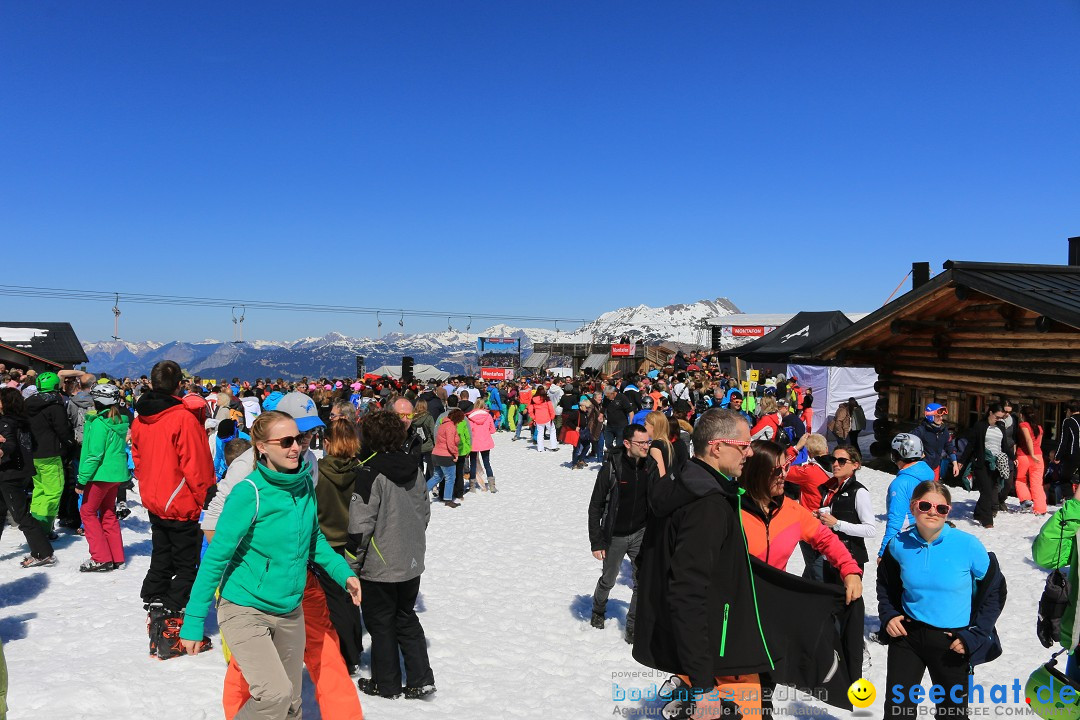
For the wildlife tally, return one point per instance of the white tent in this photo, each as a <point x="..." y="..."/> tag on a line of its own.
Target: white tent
<point x="834" y="385"/>
<point x="421" y="372"/>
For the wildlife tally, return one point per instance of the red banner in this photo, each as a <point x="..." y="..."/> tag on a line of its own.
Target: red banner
<point x="623" y="350"/>
<point x="497" y="373"/>
<point x="748" y="331"/>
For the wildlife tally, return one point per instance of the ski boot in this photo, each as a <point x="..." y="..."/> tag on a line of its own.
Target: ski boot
<point x="170" y="645"/>
<point x="155" y="624"/>
<point x="122" y="510"/>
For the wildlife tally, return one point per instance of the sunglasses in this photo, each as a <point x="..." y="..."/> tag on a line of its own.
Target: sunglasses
<point x="841" y="461"/>
<point x="780" y="470"/>
<point x="925" y="507"/>
<point x="288" y="441"/>
<point x="406" y="416"/>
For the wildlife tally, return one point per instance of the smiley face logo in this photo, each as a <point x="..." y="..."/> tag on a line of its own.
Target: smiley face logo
<point x="862" y="693"/>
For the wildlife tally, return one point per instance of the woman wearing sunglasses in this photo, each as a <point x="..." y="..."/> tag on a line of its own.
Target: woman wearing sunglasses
<point x="939" y="595"/>
<point x="846" y="510"/>
<point x="774" y="524"/>
<point x="267" y="533"/>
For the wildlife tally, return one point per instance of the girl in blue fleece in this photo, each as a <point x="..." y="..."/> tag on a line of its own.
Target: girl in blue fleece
<point x="939" y="595"/>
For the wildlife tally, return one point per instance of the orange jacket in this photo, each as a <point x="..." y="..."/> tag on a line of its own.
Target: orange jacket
<point x="773" y="538"/>
<point x="541" y="410"/>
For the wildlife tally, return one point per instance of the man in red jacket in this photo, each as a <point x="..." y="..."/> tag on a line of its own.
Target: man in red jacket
<point x="174" y="470"/>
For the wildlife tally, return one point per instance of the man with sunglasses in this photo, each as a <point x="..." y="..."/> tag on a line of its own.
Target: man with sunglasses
<point x="697" y="615"/>
<point x="937" y="441"/>
<point x="618" y="510"/>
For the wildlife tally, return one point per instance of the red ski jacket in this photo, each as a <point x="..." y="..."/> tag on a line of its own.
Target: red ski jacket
<point x="172" y="457"/>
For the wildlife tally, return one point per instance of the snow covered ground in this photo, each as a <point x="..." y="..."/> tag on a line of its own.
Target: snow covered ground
<point x="504" y="602"/>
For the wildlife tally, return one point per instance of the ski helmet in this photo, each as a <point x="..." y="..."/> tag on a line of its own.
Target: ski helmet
<point x="105" y="394"/>
<point x="907" y="447"/>
<point x="48" y="382"/>
<point x="1043" y="692"/>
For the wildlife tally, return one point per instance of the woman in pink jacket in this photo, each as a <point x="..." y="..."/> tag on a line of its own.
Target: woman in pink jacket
<point x="444" y="456"/>
<point x="543" y="414"/>
<point x="482" y="426"/>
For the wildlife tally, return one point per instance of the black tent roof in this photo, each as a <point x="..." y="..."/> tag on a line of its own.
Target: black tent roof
<point x="53" y="342"/>
<point x="796" y="336"/>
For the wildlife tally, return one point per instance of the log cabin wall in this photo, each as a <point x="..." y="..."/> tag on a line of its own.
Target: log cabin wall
<point x="959" y="343"/>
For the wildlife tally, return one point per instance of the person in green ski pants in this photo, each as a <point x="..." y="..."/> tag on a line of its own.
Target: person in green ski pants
<point x="54" y="438"/>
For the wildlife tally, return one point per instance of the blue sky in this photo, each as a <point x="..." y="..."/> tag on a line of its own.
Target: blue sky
<point x="527" y="158"/>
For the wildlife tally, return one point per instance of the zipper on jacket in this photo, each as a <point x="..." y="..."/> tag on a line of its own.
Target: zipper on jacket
<point x="750" y="569"/>
<point x="175" y="493"/>
<point x="723" y="633"/>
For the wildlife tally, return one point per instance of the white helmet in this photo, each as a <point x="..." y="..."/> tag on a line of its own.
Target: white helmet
<point x="105" y="394"/>
<point x="907" y="447"/>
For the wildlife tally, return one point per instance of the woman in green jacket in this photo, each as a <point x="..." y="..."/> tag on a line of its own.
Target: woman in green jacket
<point x="103" y="467"/>
<point x="267" y="533"/>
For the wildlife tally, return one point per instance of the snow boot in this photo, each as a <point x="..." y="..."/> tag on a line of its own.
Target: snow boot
<point x="491" y="485"/>
<point x="32" y="562"/>
<point x="597" y="620"/>
<point x="92" y="565"/>
<point x="370" y="687"/>
<point x="122" y="510"/>
<point x="416" y="693"/>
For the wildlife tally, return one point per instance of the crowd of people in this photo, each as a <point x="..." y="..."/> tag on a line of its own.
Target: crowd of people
<point x="702" y="486"/>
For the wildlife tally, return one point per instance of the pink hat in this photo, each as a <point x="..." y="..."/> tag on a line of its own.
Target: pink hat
<point x="311" y="386"/>
<point x="328" y="386"/>
<point x="338" y="385"/>
<point x="356" y="386"/>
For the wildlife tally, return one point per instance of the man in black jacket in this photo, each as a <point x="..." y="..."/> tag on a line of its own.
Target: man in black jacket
<point x="697" y="614"/>
<point x="618" y="510"/>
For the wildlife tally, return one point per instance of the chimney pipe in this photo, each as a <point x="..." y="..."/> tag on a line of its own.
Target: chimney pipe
<point x="1074" y="251"/>
<point x="920" y="272"/>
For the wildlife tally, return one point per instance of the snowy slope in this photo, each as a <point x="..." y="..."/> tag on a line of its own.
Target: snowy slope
<point x="504" y="602"/>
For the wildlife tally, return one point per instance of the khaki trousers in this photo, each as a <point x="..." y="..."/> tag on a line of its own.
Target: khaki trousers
<point x="270" y="652"/>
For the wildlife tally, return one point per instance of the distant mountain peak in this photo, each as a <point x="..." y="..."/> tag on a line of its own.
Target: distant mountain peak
<point x="334" y="354"/>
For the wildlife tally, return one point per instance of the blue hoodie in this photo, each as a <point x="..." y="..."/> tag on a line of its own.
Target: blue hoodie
<point x="898" y="502"/>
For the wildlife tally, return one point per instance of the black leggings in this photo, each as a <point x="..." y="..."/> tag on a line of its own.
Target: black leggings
<point x="926" y="648"/>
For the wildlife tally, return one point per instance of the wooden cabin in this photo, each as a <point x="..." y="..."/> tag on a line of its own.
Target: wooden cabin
<point x="974" y="334"/>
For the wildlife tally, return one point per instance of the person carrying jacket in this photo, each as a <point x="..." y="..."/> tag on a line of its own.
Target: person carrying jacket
<point x="542" y="413"/>
<point x="16" y="469"/>
<point x="388" y="519"/>
<point x="697" y="613"/>
<point x="907" y="453"/>
<point x="930" y="616"/>
<point x="983" y="465"/>
<point x="174" y="471"/>
<point x="618" y="511"/>
<point x="54" y="438"/>
<point x="936" y="439"/>
<point x="103" y="467"/>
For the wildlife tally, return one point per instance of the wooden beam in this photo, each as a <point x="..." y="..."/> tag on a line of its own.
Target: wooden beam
<point x="988" y="380"/>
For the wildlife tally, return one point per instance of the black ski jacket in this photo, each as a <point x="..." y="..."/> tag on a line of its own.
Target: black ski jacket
<point x="614" y="478"/>
<point x="53" y="434"/>
<point x="697" y="614"/>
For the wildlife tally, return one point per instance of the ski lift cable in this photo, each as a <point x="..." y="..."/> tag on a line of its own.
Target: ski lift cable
<point x="178" y="300"/>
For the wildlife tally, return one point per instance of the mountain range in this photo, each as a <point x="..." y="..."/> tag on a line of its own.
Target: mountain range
<point x="334" y="354"/>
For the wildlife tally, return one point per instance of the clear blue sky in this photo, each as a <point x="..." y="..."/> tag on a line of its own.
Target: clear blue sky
<point x="553" y="158"/>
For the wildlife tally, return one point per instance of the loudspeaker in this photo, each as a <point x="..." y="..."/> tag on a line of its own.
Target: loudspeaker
<point x="359" y="366"/>
<point x="406" y="369"/>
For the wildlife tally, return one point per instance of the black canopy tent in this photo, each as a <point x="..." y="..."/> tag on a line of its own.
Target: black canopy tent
<point x="797" y="336"/>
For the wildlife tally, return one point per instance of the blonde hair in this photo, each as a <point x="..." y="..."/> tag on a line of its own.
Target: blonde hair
<point x="260" y="429"/>
<point x="658" y="421"/>
<point x="768" y="405"/>
<point x="816" y="445"/>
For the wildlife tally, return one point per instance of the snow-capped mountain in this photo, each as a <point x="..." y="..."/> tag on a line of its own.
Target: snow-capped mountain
<point x="334" y="354"/>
